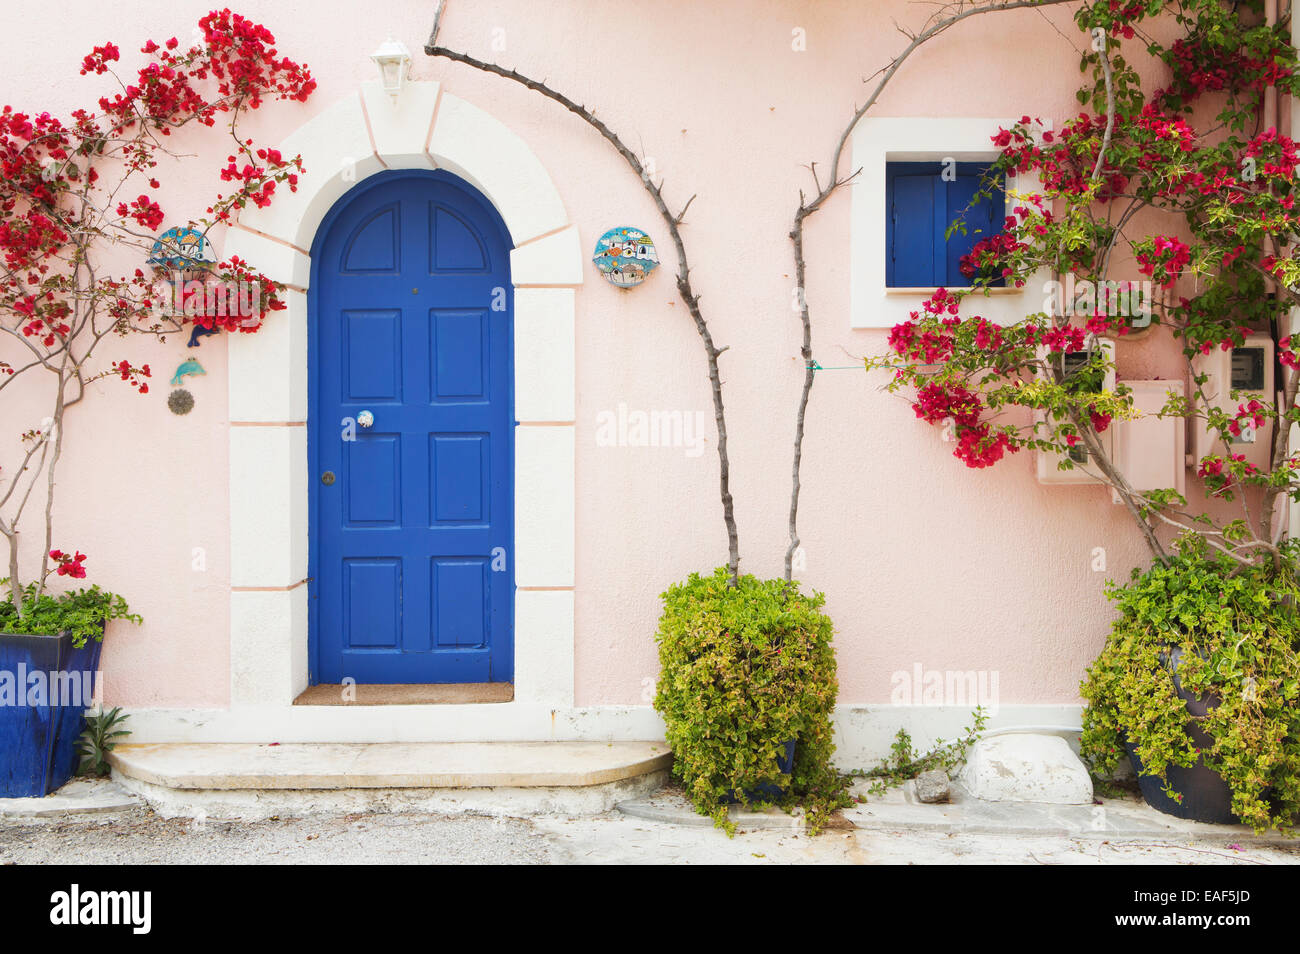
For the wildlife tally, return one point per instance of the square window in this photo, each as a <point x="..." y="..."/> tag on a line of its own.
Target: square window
<point x="922" y="201"/>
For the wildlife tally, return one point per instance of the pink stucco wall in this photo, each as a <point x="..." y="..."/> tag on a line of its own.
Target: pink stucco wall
<point x="922" y="560"/>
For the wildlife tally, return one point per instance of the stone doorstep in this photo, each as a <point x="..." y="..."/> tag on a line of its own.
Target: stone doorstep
<point x="387" y="765"/>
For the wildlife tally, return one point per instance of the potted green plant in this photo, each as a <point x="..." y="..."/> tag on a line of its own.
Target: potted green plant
<point x="747" y="688"/>
<point x="49" y="657"/>
<point x="1199" y="684"/>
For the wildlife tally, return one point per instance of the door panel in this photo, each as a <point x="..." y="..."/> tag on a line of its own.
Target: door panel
<point x="412" y="542"/>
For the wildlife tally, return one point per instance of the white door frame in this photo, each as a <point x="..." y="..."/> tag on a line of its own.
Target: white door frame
<point x="349" y="141"/>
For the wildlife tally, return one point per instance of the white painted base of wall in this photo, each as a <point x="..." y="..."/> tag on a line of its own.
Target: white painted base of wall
<point x="246" y="805"/>
<point x="863" y="732"/>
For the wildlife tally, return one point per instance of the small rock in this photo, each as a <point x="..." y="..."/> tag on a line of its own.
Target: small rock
<point x="932" y="786"/>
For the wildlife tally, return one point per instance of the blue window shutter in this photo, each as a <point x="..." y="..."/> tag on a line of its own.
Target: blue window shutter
<point x="982" y="221"/>
<point x="915" y="203"/>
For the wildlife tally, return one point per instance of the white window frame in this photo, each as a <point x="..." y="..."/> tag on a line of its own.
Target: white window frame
<point x="879" y="141"/>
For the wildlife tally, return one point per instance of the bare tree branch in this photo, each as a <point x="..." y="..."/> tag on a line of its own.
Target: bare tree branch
<point x="684" y="288"/>
<point x="1109" y="73"/>
<point x="947" y="16"/>
<point x="437" y="21"/>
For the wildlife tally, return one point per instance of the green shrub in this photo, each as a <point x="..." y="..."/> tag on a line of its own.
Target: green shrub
<point x="1239" y="629"/>
<point x="101" y="736"/>
<point x="744" y="669"/>
<point x="83" y="613"/>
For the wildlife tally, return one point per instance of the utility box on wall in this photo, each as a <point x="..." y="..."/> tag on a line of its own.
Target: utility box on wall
<point x="1048" y="462"/>
<point x="1150" y="450"/>
<point x="1248" y="369"/>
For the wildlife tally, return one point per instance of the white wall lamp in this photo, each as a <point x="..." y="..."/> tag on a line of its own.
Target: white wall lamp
<point x="394" y="62"/>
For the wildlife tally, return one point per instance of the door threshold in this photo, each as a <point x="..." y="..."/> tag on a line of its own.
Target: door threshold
<point x="437" y="694"/>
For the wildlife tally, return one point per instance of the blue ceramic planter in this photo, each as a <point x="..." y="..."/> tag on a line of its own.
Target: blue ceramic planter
<point x="769" y="791"/>
<point x="45" y="685"/>
<point x="1206" y="796"/>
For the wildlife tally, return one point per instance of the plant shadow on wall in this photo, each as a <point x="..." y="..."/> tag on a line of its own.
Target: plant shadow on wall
<point x="62" y="214"/>
<point x="1199" y="677"/>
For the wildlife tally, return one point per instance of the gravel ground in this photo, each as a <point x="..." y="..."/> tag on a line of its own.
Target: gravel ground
<point x="141" y="837"/>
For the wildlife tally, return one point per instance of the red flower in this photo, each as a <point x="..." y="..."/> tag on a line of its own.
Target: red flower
<point x="69" y="564"/>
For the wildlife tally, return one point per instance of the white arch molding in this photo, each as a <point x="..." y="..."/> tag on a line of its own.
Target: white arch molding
<point x="355" y="138"/>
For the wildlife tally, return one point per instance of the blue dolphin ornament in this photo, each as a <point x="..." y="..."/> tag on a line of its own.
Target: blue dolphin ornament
<point x="201" y="332"/>
<point x="186" y="368"/>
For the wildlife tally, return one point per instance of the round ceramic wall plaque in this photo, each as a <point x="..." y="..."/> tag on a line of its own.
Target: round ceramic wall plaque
<point x="183" y="247"/>
<point x="625" y="256"/>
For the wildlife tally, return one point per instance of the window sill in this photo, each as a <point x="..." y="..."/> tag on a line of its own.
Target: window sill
<point x="931" y="291"/>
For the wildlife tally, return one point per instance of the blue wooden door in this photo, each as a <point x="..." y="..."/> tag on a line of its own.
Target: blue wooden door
<point x="412" y="516"/>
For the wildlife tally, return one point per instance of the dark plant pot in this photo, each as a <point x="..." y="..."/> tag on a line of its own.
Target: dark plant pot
<point x="39" y="732"/>
<point x="1206" y="796"/>
<point x="770" y="791"/>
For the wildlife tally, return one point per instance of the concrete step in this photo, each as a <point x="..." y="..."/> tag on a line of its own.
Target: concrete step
<point x="226" y="766"/>
<point x="81" y="796"/>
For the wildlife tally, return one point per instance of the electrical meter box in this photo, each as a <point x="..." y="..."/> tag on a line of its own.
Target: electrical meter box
<point x="1150" y="451"/>
<point x="1248" y="369"/>
<point x="1071" y="365"/>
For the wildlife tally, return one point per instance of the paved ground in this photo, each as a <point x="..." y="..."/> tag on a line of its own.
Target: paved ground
<point x="140" y="837"/>
<point x="137" y="835"/>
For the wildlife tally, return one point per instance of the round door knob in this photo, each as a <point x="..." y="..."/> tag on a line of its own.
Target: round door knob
<point x="327" y="478"/>
<point x="365" y="419"/>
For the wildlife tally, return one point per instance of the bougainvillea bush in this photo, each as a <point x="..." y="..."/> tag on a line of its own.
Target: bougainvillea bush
<point x="1177" y="195"/>
<point x="78" y="194"/>
<point x="1190" y="156"/>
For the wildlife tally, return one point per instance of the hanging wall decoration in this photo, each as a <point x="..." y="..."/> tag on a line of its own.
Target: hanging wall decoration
<point x="185" y="369"/>
<point x="186" y="252"/>
<point x="184" y="248"/>
<point x="200" y="332"/>
<point x="180" y="401"/>
<point x="625" y="256"/>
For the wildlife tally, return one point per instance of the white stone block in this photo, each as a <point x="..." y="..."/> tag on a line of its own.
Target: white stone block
<point x="554" y="260"/>
<point x="268" y="506"/>
<point x="400" y="127"/>
<point x="544" y="647"/>
<point x="544" y="354"/>
<point x="1022" y="767"/>
<point x="275" y="260"/>
<point x="268" y="369"/>
<point x="266" y="629"/>
<point x="336" y="154"/>
<point x="544" y="505"/>
<point x="482" y="149"/>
